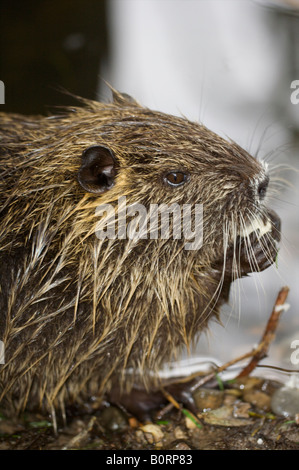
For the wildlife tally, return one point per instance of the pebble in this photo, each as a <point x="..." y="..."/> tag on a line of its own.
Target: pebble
<point x="248" y="383"/>
<point x="231" y="396"/>
<point x="241" y="409"/>
<point x="179" y="433"/>
<point x="113" y="419"/>
<point x="207" y="399"/>
<point x="285" y="402"/>
<point x="180" y="446"/>
<point x="224" y="416"/>
<point x="152" y="432"/>
<point x="257" y="398"/>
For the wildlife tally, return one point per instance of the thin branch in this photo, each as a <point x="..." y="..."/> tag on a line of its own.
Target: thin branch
<point x="269" y="334"/>
<point x="257" y="354"/>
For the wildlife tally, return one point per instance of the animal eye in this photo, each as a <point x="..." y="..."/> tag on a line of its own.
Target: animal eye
<point x="175" y="178"/>
<point x="262" y="188"/>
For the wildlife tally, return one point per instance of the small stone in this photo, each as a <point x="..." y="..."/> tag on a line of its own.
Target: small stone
<point x="133" y="422"/>
<point x="269" y="386"/>
<point x="153" y="433"/>
<point x="223" y="416"/>
<point x="179" y="433"/>
<point x="231" y="396"/>
<point x="207" y="399"/>
<point x="234" y="392"/>
<point x="285" y="402"/>
<point x="113" y="419"/>
<point x="181" y="446"/>
<point x="241" y="410"/>
<point x="229" y="400"/>
<point x="247" y="383"/>
<point x="189" y="423"/>
<point x="257" y="398"/>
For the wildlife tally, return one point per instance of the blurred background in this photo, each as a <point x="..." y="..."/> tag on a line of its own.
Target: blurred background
<point x="229" y="64"/>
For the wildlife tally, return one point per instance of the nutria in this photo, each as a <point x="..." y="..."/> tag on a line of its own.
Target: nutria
<point x="77" y="311"/>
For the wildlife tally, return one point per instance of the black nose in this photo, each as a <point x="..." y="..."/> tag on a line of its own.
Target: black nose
<point x="262" y="188"/>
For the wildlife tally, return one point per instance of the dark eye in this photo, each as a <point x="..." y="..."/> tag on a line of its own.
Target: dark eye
<point x="175" y="178"/>
<point x="262" y="188"/>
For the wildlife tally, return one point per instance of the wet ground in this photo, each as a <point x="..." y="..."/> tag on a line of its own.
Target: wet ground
<point x="237" y="415"/>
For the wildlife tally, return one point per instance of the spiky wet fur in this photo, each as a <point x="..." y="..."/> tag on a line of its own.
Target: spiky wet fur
<point x="76" y="312"/>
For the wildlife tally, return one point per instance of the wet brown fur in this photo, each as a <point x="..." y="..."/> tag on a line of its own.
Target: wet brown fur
<point x="76" y="312"/>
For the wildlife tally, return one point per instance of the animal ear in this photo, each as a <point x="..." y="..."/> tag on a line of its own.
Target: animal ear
<point x="97" y="172"/>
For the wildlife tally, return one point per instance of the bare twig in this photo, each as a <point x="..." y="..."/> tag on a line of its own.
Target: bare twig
<point x="269" y="334"/>
<point x="257" y="354"/>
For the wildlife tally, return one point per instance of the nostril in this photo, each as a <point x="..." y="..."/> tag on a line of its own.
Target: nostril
<point x="262" y="188"/>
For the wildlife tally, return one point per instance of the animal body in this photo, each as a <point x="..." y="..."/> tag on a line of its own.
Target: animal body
<point x="78" y="312"/>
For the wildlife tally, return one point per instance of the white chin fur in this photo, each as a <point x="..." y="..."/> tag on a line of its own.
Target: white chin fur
<point x="257" y="226"/>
